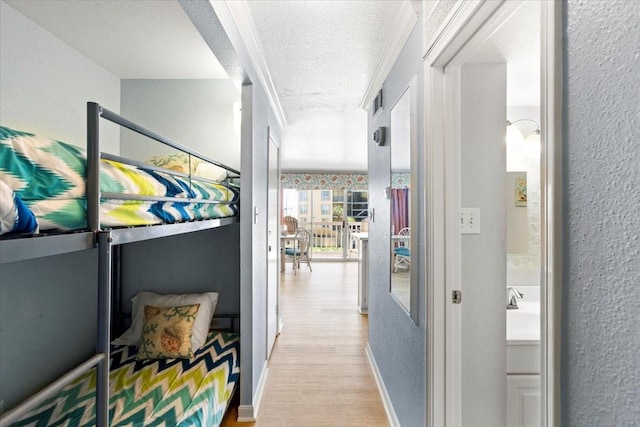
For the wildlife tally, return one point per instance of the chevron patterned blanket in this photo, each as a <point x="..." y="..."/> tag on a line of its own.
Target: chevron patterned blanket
<point x="49" y="177"/>
<point x="169" y="392"/>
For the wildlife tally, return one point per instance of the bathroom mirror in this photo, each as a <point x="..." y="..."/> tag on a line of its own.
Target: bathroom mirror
<point x="402" y="135"/>
<point x="523" y="199"/>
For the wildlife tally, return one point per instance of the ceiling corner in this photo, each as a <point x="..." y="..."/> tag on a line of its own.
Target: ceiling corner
<point x="251" y="49"/>
<point x="405" y="21"/>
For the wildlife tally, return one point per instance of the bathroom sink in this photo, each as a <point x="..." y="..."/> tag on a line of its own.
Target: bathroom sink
<point x="523" y="338"/>
<point x="523" y="323"/>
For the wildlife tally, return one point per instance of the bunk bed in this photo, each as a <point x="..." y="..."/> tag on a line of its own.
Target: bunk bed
<point x="166" y="201"/>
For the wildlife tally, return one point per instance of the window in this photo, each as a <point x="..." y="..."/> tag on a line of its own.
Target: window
<point x="325" y="209"/>
<point x="304" y="209"/>
<point x="358" y="204"/>
<point x="303" y="196"/>
<point x="325" y="195"/>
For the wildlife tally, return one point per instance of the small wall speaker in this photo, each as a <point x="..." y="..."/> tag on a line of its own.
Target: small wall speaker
<point x="377" y="103"/>
<point x="379" y="136"/>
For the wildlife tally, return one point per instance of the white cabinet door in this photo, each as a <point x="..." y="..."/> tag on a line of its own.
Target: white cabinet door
<point x="523" y="401"/>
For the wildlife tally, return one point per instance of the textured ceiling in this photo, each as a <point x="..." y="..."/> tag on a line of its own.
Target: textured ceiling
<point x="146" y="39"/>
<point x="322" y="56"/>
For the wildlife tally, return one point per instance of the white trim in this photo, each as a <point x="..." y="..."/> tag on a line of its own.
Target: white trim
<point x="445" y="38"/>
<point x="405" y="21"/>
<point x="434" y="292"/>
<point x="453" y="249"/>
<point x="442" y="188"/>
<point x="249" y="413"/>
<point x="241" y="16"/>
<point x="551" y="208"/>
<point x="386" y="401"/>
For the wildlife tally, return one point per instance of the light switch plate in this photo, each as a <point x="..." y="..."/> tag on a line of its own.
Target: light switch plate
<point x="470" y="220"/>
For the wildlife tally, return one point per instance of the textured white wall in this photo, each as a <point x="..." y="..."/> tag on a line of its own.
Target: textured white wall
<point x="45" y="84"/>
<point x="601" y="313"/>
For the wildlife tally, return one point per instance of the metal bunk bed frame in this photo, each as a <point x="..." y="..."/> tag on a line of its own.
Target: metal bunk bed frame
<point x="23" y="249"/>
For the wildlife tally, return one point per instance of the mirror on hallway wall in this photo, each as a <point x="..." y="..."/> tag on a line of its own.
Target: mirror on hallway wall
<point x="402" y="137"/>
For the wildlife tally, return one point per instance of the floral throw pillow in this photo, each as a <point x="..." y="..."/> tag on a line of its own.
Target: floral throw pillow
<point x="166" y="333"/>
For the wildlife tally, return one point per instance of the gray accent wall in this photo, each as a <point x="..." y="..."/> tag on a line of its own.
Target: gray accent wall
<point x="257" y="121"/>
<point x="601" y="255"/>
<point x="48" y="306"/>
<point x="204" y="261"/>
<point x="48" y="321"/>
<point x="397" y="343"/>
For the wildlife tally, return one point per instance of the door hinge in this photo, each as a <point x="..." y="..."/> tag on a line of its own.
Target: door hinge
<point x="456" y="297"/>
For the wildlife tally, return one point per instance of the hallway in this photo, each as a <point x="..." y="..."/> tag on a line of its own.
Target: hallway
<point x="319" y="374"/>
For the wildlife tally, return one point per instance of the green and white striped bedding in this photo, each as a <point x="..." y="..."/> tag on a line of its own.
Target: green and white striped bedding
<point x="49" y="177"/>
<point x="166" y="392"/>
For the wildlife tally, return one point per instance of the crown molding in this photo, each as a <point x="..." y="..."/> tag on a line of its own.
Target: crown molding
<point x="251" y="49"/>
<point x="405" y="21"/>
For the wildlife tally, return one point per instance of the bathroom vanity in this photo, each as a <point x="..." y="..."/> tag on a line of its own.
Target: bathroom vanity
<point x="523" y="362"/>
<point x="363" y="271"/>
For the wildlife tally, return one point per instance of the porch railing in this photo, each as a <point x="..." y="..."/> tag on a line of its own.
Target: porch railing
<point x="327" y="238"/>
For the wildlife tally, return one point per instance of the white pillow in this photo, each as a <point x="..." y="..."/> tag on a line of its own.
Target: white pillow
<point x="210" y="171"/>
<point x="207" y="301"/>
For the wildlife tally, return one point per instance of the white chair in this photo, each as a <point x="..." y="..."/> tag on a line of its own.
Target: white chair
<point x="300" y="250"/>
<point x="401" y="251"/>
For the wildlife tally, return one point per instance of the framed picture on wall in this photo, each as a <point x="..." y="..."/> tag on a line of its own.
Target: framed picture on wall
<point x="521" y="191"/>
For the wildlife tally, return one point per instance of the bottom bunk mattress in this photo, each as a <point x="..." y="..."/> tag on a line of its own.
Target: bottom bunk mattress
<point x="165" y="392"/>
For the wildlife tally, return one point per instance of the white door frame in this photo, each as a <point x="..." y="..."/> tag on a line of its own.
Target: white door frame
<point x="442" y="193"/>
<point x="273" y="241"/>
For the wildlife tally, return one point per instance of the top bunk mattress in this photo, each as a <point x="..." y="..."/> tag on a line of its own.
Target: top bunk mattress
<point x="48" y="177"/>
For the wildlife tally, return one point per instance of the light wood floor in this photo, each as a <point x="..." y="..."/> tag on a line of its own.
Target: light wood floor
<point x="319" y="374"/>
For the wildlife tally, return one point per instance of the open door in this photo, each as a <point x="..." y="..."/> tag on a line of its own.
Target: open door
<point x="466" y="108"/>
<point x="273" y="254"/>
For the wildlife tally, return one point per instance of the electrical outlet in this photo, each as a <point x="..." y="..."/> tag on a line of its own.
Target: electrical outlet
<point x="470" y="220"/>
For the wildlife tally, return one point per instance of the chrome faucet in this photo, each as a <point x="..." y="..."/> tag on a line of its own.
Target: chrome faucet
<point x="512" y="296"/>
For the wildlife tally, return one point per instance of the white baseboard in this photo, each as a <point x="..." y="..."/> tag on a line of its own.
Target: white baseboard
<point x="249" y="413"/>
<point x="386" y="401"/>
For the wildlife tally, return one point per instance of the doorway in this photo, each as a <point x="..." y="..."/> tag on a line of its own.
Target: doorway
<point x="332" y="215"/>
<point x="466" y="112"/>
<point x="273" y="245"/>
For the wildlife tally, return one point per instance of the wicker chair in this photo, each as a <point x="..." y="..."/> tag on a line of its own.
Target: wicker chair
<point x="291" y="224"/>
<point x="300" y="252"/>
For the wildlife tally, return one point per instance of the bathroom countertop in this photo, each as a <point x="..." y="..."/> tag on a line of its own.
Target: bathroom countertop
<point x="523" y="323"/>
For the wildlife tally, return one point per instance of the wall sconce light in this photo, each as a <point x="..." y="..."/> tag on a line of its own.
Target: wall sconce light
<point x="512" y="130"/>
<point x="518" y="145"/>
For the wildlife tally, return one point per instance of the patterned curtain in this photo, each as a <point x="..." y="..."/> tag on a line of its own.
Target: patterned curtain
<point x="399" y="209"/>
